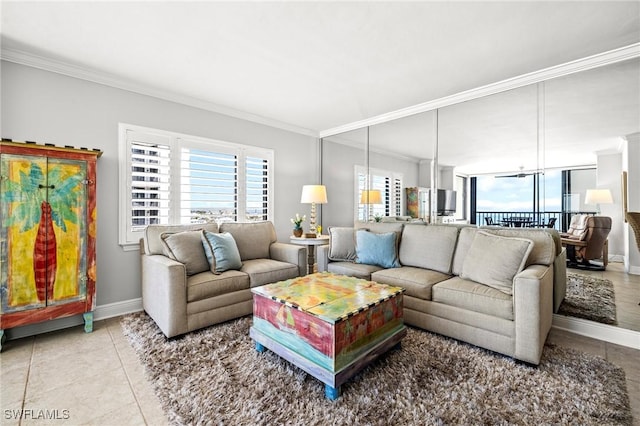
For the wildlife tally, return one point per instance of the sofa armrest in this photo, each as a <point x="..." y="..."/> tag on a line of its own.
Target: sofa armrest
<point x="290" y="253"/>
<point x="164" y="293"/>
<point x="533" y="311"/>
<point x="322" y="258"/>
<point x="559" y="279"/>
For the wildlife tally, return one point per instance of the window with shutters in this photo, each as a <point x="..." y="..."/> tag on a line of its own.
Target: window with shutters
<point x="169" y="178"/>
<point x="390" y="186"/>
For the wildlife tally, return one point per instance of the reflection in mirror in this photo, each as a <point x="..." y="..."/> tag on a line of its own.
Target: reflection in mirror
<point x="340" y="155"/>
<point x="490" y="146"/>
<point x="587" y="117"/>
<point x="400" y="155"/>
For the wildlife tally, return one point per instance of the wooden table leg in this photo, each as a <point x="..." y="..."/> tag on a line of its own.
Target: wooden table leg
<point x="331" y="393"/>
<point x="311" y="259"/>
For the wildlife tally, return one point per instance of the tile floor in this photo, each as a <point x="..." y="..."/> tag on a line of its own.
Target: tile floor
<point x="96" y="378"/>
<point x="627" y="291"/>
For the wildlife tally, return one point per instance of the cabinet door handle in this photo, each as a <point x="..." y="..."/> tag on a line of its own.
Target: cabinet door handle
<point x="46" y="186"/>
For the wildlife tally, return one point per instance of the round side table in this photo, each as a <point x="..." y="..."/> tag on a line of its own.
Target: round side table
<point x="311" y="244"/>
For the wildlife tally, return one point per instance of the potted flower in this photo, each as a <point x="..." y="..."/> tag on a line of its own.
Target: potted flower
<point x="297" y="224"/>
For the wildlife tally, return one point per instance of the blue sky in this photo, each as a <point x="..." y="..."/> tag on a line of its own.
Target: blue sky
<point x="516" y="194"/>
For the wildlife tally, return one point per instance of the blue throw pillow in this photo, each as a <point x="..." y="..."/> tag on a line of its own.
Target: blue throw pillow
<point x="377" y="249"/>
<point x="222" y="251"/>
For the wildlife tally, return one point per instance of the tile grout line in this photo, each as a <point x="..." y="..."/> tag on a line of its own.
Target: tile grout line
<point x="26" y="383"/>
<point x="124" y="369"/>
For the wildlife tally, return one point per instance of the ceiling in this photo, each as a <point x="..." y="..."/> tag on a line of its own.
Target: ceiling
<point x="312" y="66"/>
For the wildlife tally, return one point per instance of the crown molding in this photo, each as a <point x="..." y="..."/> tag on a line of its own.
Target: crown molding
<point x="601" y="59"/>
<point x="85" y="73"/>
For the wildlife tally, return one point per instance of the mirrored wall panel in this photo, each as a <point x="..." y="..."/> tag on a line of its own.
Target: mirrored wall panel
<point x="491" y="145"/>
<point x="341" y="154"/>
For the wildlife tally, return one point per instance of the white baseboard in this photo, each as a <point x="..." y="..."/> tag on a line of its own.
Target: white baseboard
<point x="102" y="312"/>
<point x="607" y="333"/>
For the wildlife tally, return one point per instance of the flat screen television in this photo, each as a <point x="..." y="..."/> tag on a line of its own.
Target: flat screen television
<point x="446" y="202"/>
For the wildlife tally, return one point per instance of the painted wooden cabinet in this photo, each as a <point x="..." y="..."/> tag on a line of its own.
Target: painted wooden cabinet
<point x="417" y="202"/>
<point x="47" y="233"/>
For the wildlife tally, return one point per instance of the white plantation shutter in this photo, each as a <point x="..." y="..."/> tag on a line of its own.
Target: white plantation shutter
<point x="257" y="188"/>
<point x="397" y="196"/>
<point x="169" y="178"/>
<point x="208" y="186"/>
<point x="150" y="181"/>
<point x="390" y="186"/>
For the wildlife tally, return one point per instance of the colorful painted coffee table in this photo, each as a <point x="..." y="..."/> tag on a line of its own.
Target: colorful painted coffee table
<point x="330" y="326"/>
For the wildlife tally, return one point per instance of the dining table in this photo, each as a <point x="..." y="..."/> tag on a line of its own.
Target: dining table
<point x="517" y="222"/>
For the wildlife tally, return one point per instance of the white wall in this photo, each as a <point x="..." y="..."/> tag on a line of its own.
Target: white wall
<point x="608" y="174"/>
<point x="47" y="107"/>
<point x="631" y="163"/>
<point x="581" y="180"/>
<point x="338" y="173"/>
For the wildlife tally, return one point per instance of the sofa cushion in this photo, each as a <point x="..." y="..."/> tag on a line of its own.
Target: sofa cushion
<point x="382" y="227"/>
<point x="417" y="281"/>
<point x="221" y="251"/>
<point x="465" y="238"/>
<point x="342" y="243"/>
<point x="152" y="234"/>
<point x="253" y="239"/>
<point x="205" y="285"/>
<point x="429" y="247"/>
<point x="473" y="296"/>
<point x="351" y="269"/>
<point x="186" y="247"/>
<point x="267" y="271"/>
<point x="377" y="249"/>
<point x="544" y="247"/>
<point x="494" y="260"/>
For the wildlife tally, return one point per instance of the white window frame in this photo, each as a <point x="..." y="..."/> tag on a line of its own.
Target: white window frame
<point x="396" y="201"/>
<point x="129" y="238"/>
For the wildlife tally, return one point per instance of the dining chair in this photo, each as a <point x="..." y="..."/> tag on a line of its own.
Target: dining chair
<point x="488" y="220"/>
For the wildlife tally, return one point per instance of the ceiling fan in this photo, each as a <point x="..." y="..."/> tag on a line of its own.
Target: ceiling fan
<point x="519" y="175"/>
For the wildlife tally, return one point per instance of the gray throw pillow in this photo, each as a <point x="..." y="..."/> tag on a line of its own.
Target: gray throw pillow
<point x="221" y="251"/>
<point x="186" y="248"/>
<point x="342" y="244"/>
<point x="494" y="261"/>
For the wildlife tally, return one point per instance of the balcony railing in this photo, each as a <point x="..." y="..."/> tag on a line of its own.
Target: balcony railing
<point x="559" y="220"/>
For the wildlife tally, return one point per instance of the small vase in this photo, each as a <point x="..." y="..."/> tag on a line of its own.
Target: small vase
<point x="297" y="232"/>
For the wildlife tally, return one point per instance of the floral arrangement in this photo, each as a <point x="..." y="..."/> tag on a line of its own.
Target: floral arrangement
<point x="297" y="221"/>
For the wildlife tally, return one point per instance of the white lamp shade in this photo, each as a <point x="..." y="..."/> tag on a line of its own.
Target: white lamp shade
<point x="372" y="196"/>
<point x="598" y="196"/>
<point x="314" y="194"/>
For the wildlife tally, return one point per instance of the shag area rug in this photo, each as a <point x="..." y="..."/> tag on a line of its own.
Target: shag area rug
<point x="215" y="376"/>
<point x="589" y="298"/>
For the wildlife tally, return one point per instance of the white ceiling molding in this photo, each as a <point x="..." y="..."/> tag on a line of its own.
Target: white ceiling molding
<point x="48" y="64"/>
<point x="95" y="76"/>
<point x="606" y="58"/>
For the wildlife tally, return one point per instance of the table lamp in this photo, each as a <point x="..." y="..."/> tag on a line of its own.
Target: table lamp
<point x="312" y="194"/>
<point x="370" y="196"/>
<point x="597" y="197"/>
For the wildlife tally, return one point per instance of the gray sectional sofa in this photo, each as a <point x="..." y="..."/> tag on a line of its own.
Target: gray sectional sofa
<point x="492" y="287"/>
<point x="180" y="291"/>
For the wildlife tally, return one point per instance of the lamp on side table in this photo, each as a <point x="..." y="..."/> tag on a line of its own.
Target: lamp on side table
<point x="312" y="194"/>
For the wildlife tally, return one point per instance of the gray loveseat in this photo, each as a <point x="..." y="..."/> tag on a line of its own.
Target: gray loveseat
<point x="492" y="287"/>
<point x="182" y="294"/>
